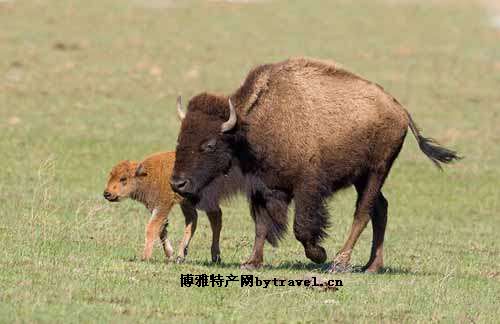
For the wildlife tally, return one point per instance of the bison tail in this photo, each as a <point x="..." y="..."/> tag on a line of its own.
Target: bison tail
<point x="435" y="152"/>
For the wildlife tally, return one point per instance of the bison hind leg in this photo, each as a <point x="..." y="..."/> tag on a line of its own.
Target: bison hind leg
<point x="379" y="222"/>
<point x="370" y="205"/>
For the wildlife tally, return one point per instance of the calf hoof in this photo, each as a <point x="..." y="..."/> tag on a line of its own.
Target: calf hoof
<point x="180" y="260"/>
<point x="216" y="259"/>
<point x="250" y="266"/>
<point x="316" y="254"/>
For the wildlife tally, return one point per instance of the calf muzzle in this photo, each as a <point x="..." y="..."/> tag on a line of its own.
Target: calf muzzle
<point x="109" y="196"/>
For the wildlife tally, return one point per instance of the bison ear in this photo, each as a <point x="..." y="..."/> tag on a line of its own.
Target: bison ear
<point x="140" y="171"/>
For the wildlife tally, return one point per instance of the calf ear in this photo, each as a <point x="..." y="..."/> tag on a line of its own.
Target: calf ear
<point x="140" y="171"/>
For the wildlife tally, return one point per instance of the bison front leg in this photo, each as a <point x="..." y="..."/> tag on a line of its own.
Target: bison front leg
<point x="191" y="219"/>
<point x="311" y="219"/>
<point x="270" y="217"/>
<point x="257" y="258"/>
<point x="215" y="218"/>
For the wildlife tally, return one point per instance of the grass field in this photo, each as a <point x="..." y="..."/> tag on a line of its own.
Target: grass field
<point x="84" y="84"/>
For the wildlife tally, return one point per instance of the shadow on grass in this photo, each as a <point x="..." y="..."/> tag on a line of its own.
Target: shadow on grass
<point x="399" y="271"/>
<point x="309" y="266"/>
<point x="281" y="266"/>
<point x="289" y="265"/>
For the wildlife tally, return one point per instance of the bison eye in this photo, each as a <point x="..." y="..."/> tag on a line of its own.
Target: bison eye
<point x="123" y="180"/>
<point x="209" y="146"/>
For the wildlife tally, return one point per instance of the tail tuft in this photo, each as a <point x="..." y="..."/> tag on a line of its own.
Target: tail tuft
<point x="438" y="154"/>
<point x="435" y="152"/>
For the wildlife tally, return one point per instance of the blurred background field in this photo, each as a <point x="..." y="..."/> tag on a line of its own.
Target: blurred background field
<point x="84" y="84"/>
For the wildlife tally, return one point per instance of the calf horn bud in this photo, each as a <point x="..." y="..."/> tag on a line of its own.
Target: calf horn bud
<point x="180" y="112"/>
<point x="231" y="122"/>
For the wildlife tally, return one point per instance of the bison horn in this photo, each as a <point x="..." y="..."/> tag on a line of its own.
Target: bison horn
<point x="180" y="112"/>
<point x="231" y="122"/>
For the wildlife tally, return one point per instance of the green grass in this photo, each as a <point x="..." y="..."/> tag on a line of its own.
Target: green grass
<point x="84" y="84"/>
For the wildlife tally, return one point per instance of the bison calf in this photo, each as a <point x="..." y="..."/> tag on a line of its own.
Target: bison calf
<point x="147" y="182"/>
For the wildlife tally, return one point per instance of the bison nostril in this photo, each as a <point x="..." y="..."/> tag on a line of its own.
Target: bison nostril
<point x="106" y="194"/>
<point x="179" y="184"/>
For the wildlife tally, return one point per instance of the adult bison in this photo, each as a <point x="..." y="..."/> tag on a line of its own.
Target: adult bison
<point x="300" y="129"/>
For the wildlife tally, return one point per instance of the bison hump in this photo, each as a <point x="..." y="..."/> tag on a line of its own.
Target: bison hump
<point x="254" y="85"/>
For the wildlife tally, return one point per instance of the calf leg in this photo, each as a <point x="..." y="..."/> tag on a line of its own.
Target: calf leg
<point x="215" y="218"/>
<point x="311" y="219"/>
<point x="165" y="242"/>
<point x="191" y="219"/>
<point x="368" y="189"/>
<point x="153" y="230"/>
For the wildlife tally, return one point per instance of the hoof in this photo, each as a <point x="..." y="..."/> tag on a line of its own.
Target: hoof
<point x="179" y="260"/>
<point x="373" y="269"/>
<point x="250" y="266"/>
<point x="316" y="254"/>
<point x="339" y="267"/>
<point x="216" y="259"/>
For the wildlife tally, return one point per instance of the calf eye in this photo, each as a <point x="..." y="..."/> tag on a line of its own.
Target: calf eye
<point x="123" y="180"/>
<point x="209" y="146"/>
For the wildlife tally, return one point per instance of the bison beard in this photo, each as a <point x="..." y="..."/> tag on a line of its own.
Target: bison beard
<point x="301" y="129"/>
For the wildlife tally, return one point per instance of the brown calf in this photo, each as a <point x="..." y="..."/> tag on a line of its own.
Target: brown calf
<point x="148" y="183"/>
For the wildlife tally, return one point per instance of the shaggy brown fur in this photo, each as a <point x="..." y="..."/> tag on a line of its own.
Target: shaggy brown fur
<point x="147" y="182"/>
<point x="305" y="129"/>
